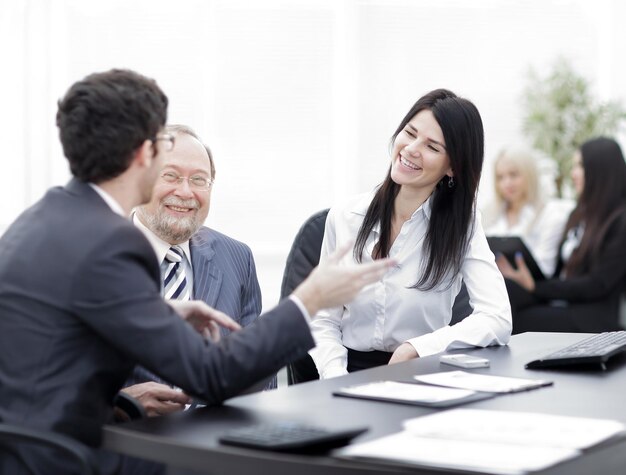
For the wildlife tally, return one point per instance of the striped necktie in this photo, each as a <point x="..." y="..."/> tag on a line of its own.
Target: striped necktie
<point x="174" y="288"/>
<point x="174" y="281"/>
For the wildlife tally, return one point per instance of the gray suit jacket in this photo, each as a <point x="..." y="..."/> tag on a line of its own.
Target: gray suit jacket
<point x="80" y="305"/>
<point x="224" y="275"/>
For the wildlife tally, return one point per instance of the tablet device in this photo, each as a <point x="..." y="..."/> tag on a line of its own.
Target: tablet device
<point x="464" y="361"/>
<point x="509" y="246"/>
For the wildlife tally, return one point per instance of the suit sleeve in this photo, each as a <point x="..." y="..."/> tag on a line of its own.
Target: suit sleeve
<point x="608" y="271"/>
<point x="116" y="294"/>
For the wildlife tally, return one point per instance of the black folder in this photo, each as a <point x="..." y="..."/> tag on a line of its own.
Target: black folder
<point x="509" y="246"/>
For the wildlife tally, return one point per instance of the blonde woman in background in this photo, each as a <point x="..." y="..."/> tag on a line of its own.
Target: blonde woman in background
<point x="520" y="208"/>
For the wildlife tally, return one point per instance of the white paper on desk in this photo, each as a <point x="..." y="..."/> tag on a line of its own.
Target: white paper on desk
<point x="480" y="382"/>
<point x="496" y="442"/>
<point x="407" y="392"/>
<point x="407" y="448"/>
<point x="517" y="428"/>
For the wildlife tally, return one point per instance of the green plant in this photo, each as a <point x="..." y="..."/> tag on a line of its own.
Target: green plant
<point x="561" y="113"/>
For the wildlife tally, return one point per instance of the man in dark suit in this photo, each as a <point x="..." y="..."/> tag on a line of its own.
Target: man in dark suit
<point x="219" y="269"/>
<point x="80" y="301"/>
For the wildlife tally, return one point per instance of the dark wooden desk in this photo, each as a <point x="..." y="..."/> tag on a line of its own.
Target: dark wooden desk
<point x="190" y="439"/>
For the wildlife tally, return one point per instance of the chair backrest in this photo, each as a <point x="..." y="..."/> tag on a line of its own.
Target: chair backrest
<point x="15" y="439"/>
<point x="305" y="252"/>
<point x="303" y="257"/>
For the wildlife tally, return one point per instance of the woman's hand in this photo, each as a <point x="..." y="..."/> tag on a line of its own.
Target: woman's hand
<point x="404" y="352"/>
<point x="521" y="275"/>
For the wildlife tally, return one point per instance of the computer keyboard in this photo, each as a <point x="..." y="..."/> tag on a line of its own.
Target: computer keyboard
<point x="289" y="436"/>
<point x="594" y="349"/>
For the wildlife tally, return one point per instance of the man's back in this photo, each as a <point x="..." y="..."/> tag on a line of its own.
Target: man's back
<point x="69" y="336"/>
<point x="51" y="346"/>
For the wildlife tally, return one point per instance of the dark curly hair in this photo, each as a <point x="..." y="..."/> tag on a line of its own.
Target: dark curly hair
<point x="104" y="118"/>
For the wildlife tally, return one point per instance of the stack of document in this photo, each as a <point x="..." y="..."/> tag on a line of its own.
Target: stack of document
<point x="496" y="442"/>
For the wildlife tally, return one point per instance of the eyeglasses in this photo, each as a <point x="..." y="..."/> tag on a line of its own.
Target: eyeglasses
<point x="197" y="182"/>
<point x="168" y="140"/>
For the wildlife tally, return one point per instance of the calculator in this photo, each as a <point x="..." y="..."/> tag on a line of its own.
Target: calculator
<point x="290" y="436"/>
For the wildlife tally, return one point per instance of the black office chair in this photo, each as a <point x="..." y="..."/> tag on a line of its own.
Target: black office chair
<point x="305" y="252"/>
<point x="13" y="436"/>
<point x="303" y="257"/>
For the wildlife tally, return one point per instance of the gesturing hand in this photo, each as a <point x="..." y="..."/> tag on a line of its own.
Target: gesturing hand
<point x="206" y="320"/>
<point x="331" y="284"/>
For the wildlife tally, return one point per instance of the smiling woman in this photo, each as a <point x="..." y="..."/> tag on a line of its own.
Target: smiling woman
<point x="423" y="215"/>
<point x="419" y="158"/>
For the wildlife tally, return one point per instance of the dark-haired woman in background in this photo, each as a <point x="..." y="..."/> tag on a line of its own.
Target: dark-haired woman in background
<point x="584" y="295"/>
<point x="424" y="216"/>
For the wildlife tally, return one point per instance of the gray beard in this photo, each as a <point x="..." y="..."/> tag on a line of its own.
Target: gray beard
<point x="170" y="229"/>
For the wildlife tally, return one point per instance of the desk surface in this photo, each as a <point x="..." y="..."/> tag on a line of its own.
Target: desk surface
<point x="190" y="439"/>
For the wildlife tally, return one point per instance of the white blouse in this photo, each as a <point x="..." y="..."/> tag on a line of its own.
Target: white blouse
<point x="541" y="232"/>
<point x="388" y="313"/>
<point x="572" y="241"/>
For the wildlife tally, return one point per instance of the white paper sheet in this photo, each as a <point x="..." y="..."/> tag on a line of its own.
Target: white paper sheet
<point x="517" y="428"/>
<point x="498" y="442"/>
<point x="405" y="447"/>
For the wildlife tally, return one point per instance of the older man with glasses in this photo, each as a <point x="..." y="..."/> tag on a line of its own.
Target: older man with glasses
<point x="196" y="262"/>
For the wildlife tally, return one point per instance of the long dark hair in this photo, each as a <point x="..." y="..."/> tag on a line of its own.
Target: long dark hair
<point x="452" y="216"/>
<point x="601" y="202"/>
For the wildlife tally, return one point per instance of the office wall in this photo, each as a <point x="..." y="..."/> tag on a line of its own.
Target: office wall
<point x="296" y="98"/>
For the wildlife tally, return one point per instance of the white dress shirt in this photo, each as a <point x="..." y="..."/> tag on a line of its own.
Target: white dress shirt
<point x="541" y="232"/>
<point x="572" y="241"/>
<point x="388" y="313"/>
<point x="109" y="200"/>
<point x="161" y="247"/>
